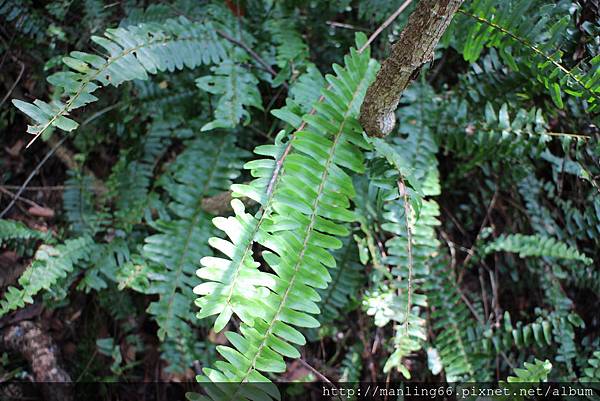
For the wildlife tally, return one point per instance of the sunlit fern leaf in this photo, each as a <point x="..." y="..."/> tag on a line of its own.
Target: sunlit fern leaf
<point x="535" y="245"/>
<point x="532" y="372"/>
<point x="205" y="168"/>
<point x="299" y="233"/>
<point x="237" y="88"/>
<point x="15" y="230"/>
<point x="49" y="265"/>
<point x="131" y="53"/>
<point x="225" y="293"/>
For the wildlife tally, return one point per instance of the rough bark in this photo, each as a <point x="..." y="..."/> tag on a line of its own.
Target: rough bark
<point x="40" y="351"/>
<point x="415" y="47"/>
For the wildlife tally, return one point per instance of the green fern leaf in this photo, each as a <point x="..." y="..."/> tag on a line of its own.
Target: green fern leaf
<point x="205" y="168"/>
<point x="132" y="53"/>
<point x="49" y="265"/>
<point x="535" y="245"/>
<point x="238" y="89"/>
<point x="15" y="230"/>
<point x="298" y="234"/>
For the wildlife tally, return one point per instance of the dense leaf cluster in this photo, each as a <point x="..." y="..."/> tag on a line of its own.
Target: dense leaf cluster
<point x="460" y="247"/>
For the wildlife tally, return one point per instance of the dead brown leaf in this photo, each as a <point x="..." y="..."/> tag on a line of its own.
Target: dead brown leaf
<point x="40" y="211"/>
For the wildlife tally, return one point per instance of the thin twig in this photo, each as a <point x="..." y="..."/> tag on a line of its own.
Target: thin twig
<point x="14" y="85"/>
<point x="252" y="53"/>
<point x="483" y="223"/>
<point x="319" y="374"/>
<point x="39" y="188"/>
<point x="342" y="25"/>
<point x="315" y="371"/>
<point x="14" y="196"/>
<point x="385" y="24"/>
<point x="33" y="174"/>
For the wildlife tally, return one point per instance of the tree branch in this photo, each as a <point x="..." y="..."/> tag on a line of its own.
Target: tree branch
<point x="415" y="47"/>
<point x="40" y="351"/>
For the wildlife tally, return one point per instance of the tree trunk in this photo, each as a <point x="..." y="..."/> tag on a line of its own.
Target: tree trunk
<point x="415" y="47"/>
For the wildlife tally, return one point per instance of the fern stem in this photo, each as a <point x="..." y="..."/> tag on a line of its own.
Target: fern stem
<point x="407" y="213"/>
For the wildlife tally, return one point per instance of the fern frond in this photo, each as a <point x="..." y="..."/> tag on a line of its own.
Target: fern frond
<point x="49" y="265"/>
<point x="237" y="88"/>
<point x="15" y="230"/>
<point x="290" y="46"/>
<point x="535" y="245"/>
<point x="107" y="261"/>
<point x="591" y="373"/>
<point x="351" y="368"/>
<point x="205" y="168"/>
<point x="504" y="24"/>
<point x="531" y="372"/>
<point x="24" y="17"/>
<point x="79" y="205"/>
<point x="346" y="279"/>
<point x="413" y="241"/>
<point x="133" y="53"/>
<point x="298" y="234"/>
<point x="130" y="179"/>
<point x="160" y="102"/>
<point x="502" y="134"/>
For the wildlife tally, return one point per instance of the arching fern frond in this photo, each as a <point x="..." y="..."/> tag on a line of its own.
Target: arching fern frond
<point x="132" y="53"/>
<point x="49" y="265"/>
<point x="310" y="200"/>
<point x="456" y="337"/>
<point x="15" y="230"/>
<point x="411" y="223"/>
<point x="535" y="245"/>
<point x="532" y="372"/>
